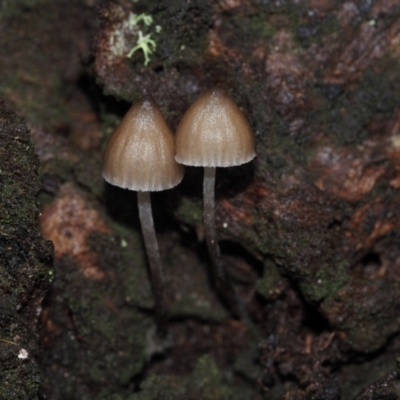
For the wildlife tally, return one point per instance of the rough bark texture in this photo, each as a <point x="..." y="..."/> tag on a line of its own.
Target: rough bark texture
<point x="25" y="260"/>
<point x="310" y="229"/>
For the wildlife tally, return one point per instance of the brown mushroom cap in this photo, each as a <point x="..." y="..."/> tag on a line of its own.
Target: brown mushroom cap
<point x="140" y="153"/>
<point x="214" y="133"/>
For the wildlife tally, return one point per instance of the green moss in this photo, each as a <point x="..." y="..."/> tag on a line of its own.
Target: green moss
<point x="271" y="243"/>
<point x="326" y="282"/>
<point x="269" y="280"/>
<point x="249" y="28"/>
<point x="206" y="380"/>
<point x="204" y="383"/>
<point x="13" y="389"/>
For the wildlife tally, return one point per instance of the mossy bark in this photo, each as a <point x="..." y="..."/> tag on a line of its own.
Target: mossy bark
<point x="25" y="261"/>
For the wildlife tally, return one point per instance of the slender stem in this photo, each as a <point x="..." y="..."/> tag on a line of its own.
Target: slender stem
<point x="153" y="256"/>
<point x="222" y="280"/>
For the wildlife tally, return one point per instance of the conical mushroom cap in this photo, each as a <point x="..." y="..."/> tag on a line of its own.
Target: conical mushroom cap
<point x="140" y="153"/>
<point x="214" y="133"/>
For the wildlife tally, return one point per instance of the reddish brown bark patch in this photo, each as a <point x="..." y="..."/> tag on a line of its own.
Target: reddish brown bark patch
<point x="68" y="222"/>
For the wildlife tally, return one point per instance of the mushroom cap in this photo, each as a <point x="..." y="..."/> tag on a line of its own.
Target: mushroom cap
<point x="214" y="133"/>
<point x="140" y="153"/>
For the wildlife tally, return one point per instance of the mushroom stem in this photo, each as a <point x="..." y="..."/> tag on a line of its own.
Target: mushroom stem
<point x="153" y="256"/>
<point x="222" y="281"/>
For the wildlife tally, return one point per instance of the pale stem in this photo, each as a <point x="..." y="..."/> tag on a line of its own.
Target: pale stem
<point x="153" y="256"/>
<point x="222" y="281"/>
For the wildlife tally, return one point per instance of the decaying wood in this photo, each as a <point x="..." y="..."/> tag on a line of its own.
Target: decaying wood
<point x="310" y="228"/>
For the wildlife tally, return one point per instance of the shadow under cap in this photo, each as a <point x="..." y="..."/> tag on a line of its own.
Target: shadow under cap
<point x="214" y="133"/>
<point x="140" y="153"/>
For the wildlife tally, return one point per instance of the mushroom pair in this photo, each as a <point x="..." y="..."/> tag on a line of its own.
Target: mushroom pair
<point x="140" y="156"/>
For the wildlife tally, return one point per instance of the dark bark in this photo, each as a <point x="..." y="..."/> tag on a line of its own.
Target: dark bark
<point x="25" y="261"/>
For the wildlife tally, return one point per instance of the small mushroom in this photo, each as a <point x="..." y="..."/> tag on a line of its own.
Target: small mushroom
<point x="140" y="156"/>
<point x="215" y="133"/>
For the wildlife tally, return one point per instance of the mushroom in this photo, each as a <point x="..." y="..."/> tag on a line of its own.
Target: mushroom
<point x="140" y="156"/>
<point x="215" y="133"/>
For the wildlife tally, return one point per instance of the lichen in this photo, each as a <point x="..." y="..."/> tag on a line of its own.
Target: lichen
<point x="126" y="31"/>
